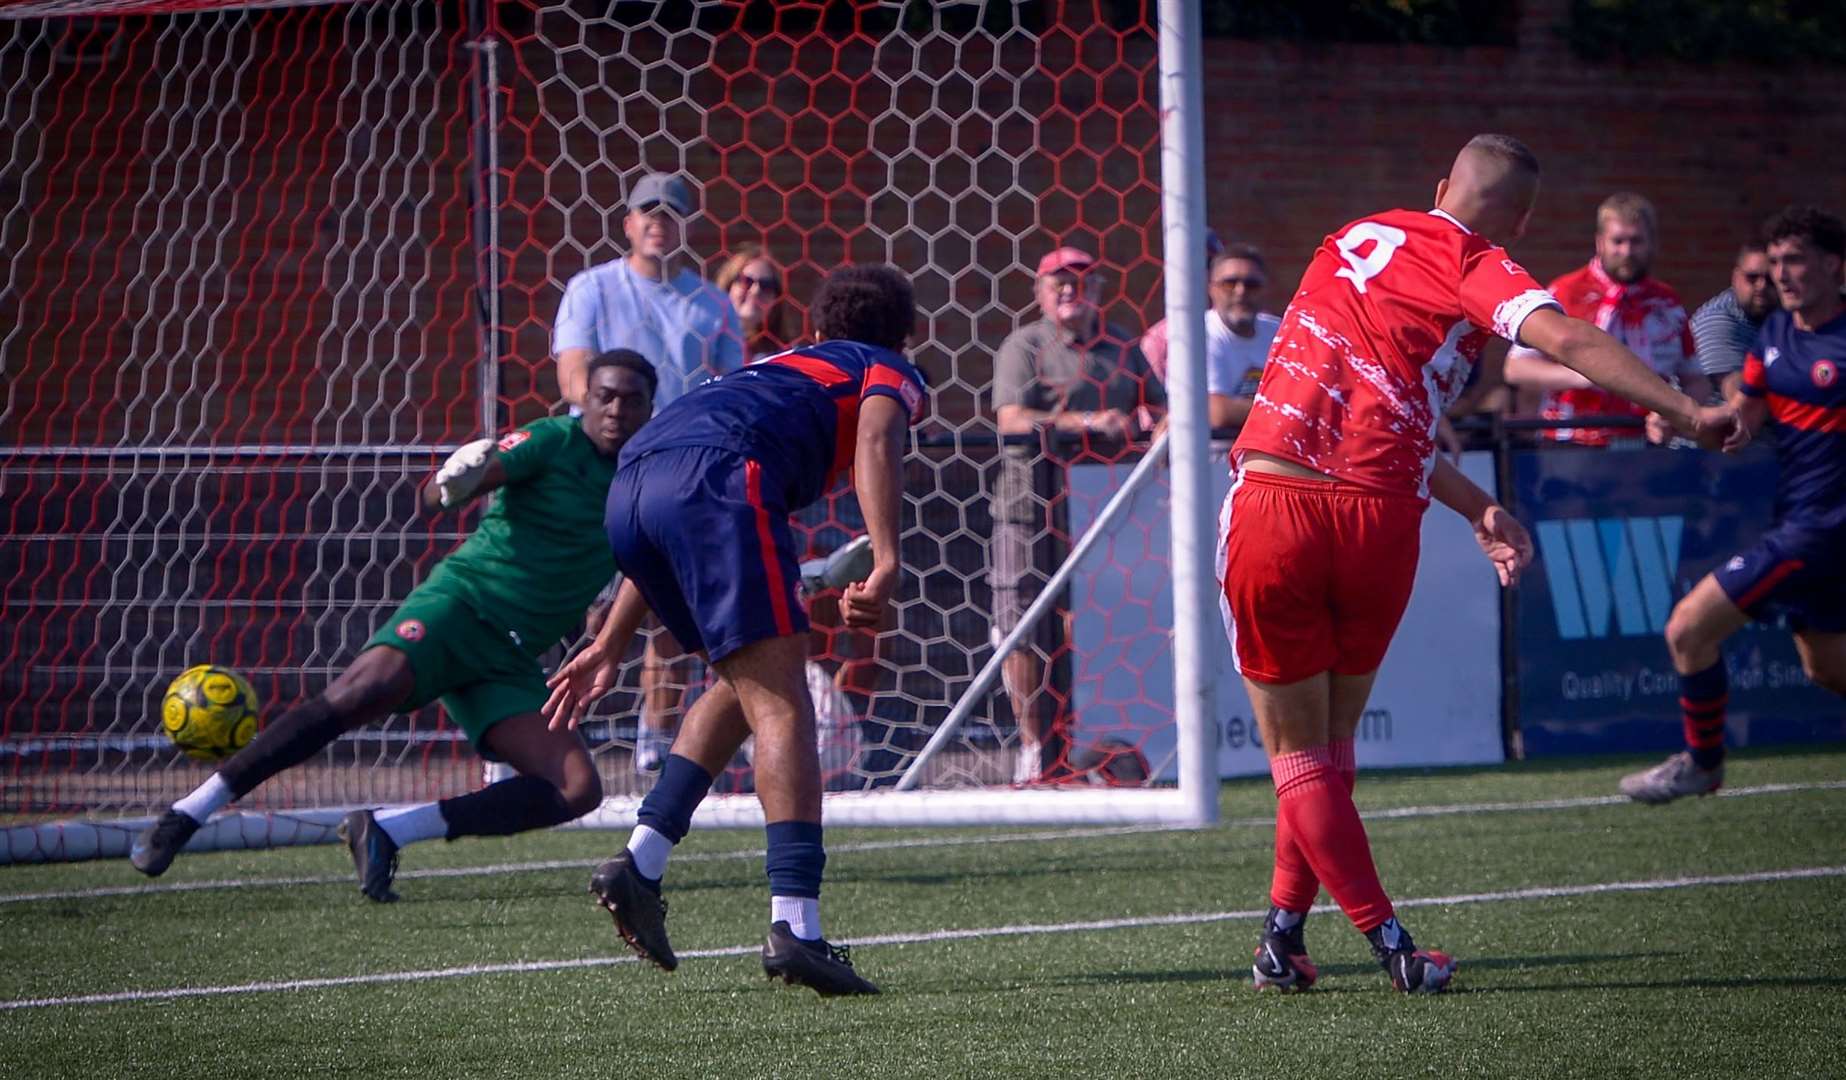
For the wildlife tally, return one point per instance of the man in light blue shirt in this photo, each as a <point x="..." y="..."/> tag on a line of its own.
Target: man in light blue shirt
<point x="670" y="315"/>
<point x="690" y="332"/>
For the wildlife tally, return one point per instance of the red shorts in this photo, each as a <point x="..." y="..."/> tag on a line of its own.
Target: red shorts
<point x="1316" y="574"/>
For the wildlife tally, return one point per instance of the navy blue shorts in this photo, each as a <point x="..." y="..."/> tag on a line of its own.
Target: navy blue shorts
<point x="1791" y="573"/>
<point x="702" y="534"/>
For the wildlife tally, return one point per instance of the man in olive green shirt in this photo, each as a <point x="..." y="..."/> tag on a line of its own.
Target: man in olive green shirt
<point x="1067" y="374"/>
<point x="470" y="636"/>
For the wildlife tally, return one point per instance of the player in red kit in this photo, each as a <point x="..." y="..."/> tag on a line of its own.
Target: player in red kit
<point x="1335" y="466"/>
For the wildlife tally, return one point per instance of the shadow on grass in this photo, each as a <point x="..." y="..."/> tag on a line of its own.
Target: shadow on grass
<point x="1240" y="973"/>
<point x="1767" y="982"/>
<point x="1471" y="965"/>
<point x="1564" y="766"/>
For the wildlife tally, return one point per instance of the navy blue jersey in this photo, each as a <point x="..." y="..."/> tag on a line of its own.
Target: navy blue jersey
<point x="795" y="413"/>
<point x="1801" y="376"/>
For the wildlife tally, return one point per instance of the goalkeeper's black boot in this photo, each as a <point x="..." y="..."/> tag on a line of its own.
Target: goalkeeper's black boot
<point x="374" y="854"/>
<point x="825" y="969"/>
<point x="154" y="849"/>
<point x="640" y="914"/>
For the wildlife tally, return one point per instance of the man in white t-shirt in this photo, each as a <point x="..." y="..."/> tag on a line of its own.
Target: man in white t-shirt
<point x="690" y="332"/>
<point x="1237" y="332"/>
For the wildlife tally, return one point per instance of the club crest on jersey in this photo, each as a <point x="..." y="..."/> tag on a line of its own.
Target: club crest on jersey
<point x="512" y="439"/>
<point x="913" y="397"/>
<point x="410" y="630"/>
<point x="1824" y="373"/>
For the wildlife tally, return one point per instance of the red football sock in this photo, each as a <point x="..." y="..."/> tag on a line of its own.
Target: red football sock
<point x="1293" y="886"/>
<point x="1315" y="806"/>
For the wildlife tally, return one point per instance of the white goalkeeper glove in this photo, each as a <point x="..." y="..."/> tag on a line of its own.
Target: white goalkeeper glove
<point x="462" y="473"/>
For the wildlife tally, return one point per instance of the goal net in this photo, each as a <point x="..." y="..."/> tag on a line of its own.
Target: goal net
<point x="268" y="263"/>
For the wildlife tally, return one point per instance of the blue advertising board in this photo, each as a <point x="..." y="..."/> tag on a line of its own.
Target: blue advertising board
<point x="1621" y="536"/>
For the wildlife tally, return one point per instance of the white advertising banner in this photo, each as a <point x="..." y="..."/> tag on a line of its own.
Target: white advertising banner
<point x="1437" y="699"/>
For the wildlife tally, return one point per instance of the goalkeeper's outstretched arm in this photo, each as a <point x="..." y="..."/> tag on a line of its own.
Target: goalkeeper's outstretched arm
<point x="469" y="472"/>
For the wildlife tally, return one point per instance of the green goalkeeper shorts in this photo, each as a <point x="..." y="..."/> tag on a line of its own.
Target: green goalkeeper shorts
<point x="477" y="671"/>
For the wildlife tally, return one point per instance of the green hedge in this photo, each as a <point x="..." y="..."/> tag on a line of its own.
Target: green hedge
<point x="1709" y="31"/>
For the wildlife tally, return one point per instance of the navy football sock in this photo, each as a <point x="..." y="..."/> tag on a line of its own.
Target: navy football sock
<point x="1702" y="697"/>
<point x="796" y="858"/>
<point x="668" y="808"/>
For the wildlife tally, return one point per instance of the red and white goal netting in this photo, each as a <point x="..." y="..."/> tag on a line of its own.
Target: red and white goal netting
<point x="266" y="263"/>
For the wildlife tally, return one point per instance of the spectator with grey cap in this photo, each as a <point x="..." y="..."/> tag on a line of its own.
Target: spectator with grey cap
<point x="1068" y="372"/>
<point x="1724" y="328"/>
<point x="642" y="301"/>
<point x="689" y="330"/>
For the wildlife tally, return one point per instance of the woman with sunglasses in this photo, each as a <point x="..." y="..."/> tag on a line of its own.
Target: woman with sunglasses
<point x="754" y="283"/>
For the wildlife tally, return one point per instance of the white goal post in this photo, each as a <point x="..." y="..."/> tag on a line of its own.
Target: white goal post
<point x="329" y="266"/>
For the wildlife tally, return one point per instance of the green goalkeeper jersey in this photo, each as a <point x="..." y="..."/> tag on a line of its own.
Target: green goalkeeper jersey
<point x="539" y="556"/>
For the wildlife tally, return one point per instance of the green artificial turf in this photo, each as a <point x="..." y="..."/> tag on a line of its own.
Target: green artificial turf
<point x="1721" y="980"/>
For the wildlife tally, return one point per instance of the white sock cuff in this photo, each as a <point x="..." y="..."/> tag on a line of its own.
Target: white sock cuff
<point x="206" y="799"/>
<point x="801" y="913"/>
<point x="650" y="850"/>
<point x="407" y="825"/>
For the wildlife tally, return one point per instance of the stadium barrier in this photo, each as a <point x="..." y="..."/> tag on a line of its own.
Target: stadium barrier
<point x="1617" y="546"/>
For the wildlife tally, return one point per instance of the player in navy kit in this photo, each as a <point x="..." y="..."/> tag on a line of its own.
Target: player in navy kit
<point x="1795" y="381"/>
<point x="698" y="519"/>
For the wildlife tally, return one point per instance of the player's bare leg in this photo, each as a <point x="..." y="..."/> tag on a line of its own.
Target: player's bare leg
<point x="368" y="690"/>
<point x="1314" y="811"/>
<point x="769" y="678"/>
<point x="1823" y="657"/>
<point x="1695" y="636"/>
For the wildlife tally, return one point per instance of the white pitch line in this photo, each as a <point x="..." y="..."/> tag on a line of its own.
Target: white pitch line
<point x="579" y="864"/>
<point x="1543" y="892"/>
<point x="1584" y="801"/>
<point x="492" y="870"/>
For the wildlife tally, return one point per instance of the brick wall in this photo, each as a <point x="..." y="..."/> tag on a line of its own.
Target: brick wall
<point x="160" y="243"/>
<point x="1302" y="140"/>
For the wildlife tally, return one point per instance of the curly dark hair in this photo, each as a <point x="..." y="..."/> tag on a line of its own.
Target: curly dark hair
<point x="873" y="305"/>
<point x="1809" y="223"/>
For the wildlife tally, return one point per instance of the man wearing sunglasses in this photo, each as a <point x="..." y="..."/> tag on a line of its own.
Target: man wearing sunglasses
<point x="1237" y="334"/>
<point x="1725" y="327"/>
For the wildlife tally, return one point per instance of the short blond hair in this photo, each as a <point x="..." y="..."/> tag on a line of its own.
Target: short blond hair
<point x="1629" y="207"/>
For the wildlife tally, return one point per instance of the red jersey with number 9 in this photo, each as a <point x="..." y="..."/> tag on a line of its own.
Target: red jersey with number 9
<point x="1391" y="316"/>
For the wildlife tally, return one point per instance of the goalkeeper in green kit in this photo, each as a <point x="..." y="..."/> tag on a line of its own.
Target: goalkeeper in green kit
<point x="470" y="636"/>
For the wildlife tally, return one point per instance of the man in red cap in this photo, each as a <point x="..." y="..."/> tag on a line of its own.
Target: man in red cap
<point x="1074" y="374"/>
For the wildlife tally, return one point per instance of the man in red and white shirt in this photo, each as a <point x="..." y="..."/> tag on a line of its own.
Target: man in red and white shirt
<point x="1335" y="466"/>
<point x="1615" y="292"/>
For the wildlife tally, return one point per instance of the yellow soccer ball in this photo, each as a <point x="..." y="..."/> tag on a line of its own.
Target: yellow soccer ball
<point x="209" y="712"/>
